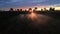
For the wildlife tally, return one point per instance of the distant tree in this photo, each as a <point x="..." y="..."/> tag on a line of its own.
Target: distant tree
<point x="17" y="9"/>
<point x="50" y="9"/>
<point x="25" y="10"/>
<point x="20" y="9"/>
<point x="35" y="9"/>
<point x="11" y="9"/>
<point x="41" y="9"/>
<point x="29" y="9"/>
<point x="53" y="9"/>
<point x="45" y="9"/>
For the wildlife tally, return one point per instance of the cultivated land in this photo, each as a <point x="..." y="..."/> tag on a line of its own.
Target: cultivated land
<point x="10" y="22"/>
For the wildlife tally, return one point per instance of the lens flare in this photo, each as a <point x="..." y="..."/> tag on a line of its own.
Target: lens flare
<point x="32" y="16"/>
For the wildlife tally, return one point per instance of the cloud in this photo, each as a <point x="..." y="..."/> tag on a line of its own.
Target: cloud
<point x="21" y="3"/>
<point x="51" y="2"/>
<point x="37" y="1"/>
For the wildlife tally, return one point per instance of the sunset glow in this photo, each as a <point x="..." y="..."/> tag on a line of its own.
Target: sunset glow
<point x="39" y="8"/>
<point x="57" y="8"/>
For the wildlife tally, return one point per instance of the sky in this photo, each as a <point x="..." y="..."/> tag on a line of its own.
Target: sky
<point x="27" y="3"/>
